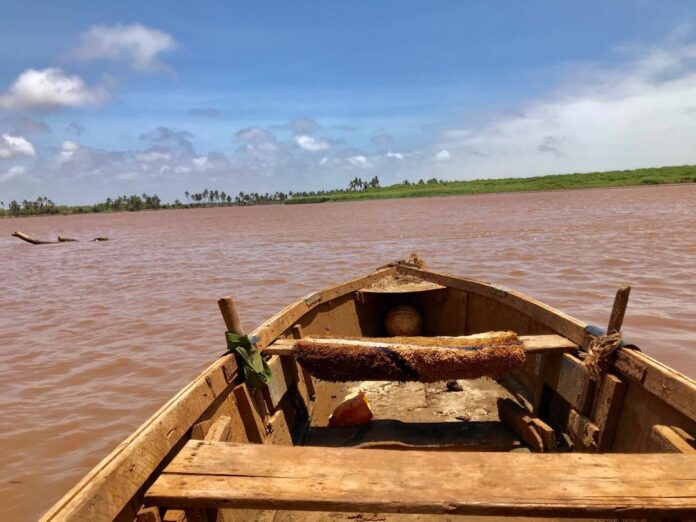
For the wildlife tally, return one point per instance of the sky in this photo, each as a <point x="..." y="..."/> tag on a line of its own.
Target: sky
<point x="99" y="99"/>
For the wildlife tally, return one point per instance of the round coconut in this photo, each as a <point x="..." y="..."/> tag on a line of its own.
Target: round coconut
<point x="404" y="321"/>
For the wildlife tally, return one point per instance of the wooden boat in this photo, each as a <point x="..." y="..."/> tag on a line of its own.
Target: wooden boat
<point x="549" y="439"/>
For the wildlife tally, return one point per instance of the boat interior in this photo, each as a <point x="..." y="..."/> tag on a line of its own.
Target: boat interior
<point x="553" y="438"/>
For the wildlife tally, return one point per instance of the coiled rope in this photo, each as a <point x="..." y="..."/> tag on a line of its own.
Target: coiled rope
<point x="600" y="351"/>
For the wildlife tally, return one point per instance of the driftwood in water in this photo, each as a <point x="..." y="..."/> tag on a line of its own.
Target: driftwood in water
<point x="61" y="239"/>
<point x="30" y="239"/>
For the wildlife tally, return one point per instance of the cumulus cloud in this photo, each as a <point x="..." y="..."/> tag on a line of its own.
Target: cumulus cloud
<point x="138" y="45"/>
<point x="397" y="155"/>
<point x="12" y="173"/>
<point x="67" y="151"/>
<point x="49" y="89"/>
<point x="312" y="144"/>
<point x="443" y="155"/>
<point x="15" y="147"/>
<point x="638" y="113"/>
<point x="359" y="161"/>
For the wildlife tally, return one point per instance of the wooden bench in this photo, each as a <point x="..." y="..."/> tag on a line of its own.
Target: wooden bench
<point x="216" y="475"/>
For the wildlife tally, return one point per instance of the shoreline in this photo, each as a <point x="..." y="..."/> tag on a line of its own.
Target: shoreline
<point x="649" y="177"/>
<point x="354" y="200"/>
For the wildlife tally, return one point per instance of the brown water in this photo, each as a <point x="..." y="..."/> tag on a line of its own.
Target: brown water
<point x="96" y="336"/>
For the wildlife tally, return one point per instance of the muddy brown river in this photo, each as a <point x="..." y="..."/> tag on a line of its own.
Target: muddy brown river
<point x="96" y="336"/>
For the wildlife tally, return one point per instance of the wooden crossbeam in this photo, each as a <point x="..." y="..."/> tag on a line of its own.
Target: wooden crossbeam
<point x="531" y="343"/>
<point x="214" y="475"/>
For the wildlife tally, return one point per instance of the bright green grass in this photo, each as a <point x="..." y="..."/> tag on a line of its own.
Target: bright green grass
<point x="619" y="178"/>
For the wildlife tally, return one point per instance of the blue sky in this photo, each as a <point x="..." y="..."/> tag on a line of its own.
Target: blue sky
<point x="99" y="99"/>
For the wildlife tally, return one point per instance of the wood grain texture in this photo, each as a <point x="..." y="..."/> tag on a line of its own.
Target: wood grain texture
<point x="517" y="419"/>
<point x="253" y="424"/>
<point x="619" y="309"/>
<point x="607" y="409"/>
<point x="208" y="474"/>
<point x="665" y="439"/>
<point x="568" y="377"/>
<point x="672" y="387"/>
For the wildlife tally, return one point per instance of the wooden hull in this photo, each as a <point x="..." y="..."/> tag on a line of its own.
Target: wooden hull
<point x="639" y="406"/>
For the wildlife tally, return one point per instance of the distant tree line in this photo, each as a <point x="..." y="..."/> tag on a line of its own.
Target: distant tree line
<point x="206" y="198"/>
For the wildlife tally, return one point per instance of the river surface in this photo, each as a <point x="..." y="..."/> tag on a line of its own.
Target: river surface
<point x="95" y="337"/>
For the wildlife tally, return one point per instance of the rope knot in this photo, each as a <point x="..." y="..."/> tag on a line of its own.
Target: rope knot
<point x="599" y="352"/>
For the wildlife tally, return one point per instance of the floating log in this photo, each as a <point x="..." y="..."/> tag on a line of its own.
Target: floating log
<point x="31" y="239"/>
<point x="61" y="239"/>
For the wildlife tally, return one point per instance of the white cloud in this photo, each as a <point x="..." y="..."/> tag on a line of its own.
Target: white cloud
<point x="12" y="173"/>
<point x="443" y="155"/>
<point x="640" y="113"/>
<point x="311" y="144"/>
<point x="49" y="89"/>
<point x="397" y="155"/>
<point x="67" y="151"/>
<point x="136" y="44"/>
<point x="15" y="146"/>
<point x="359" y="161"/>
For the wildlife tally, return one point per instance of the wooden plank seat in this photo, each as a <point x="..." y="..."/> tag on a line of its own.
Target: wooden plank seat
<point x="216" y="475"/>
<point x="531" y="344"/>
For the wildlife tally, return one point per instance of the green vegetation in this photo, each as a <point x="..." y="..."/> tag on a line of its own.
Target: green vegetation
<point x="434" y="187"/>
<point x="363" y="189"/>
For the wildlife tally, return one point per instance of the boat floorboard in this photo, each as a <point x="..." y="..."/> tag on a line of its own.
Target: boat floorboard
<point x="416" y="416"/>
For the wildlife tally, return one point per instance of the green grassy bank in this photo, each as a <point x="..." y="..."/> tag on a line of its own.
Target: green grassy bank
<point x="619" y="178"/>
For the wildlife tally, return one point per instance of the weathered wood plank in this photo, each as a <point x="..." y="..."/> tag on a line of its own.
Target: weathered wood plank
<point x="547" y="434"/>
<point x="619" y="309"/>
<point x="664" y="439"/>
<point x="516" y="418"/>
<point x="279" y="431"/>
<point x="583" y="431"/>
<point x="220" y="430"/>
<point x="253" y="424"/>
<point x="567" y="376"/>
<point x="607" y="409"/>
<point x="309" y="383"/>
<point x="674" y="388"/>
<point x="199" y="429"/>
<point x="150" y="514"/>
<point x="278" y="386"/>
<point x="498" y="484"/>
